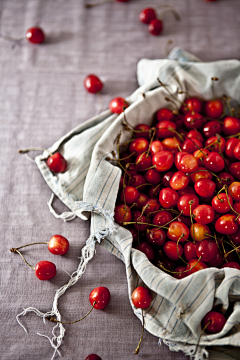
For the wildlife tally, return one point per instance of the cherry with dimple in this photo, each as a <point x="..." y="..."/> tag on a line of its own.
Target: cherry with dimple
<point x="93" y="84"/>
<point x="213" y="322"/>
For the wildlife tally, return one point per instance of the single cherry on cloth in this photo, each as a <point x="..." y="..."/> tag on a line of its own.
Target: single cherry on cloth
<point x="100" y="295"/>
<point x="93" y="357"/>
<point x="118" y="104"/>
<point x="93" y="84"/>
<point x="155" y="26"/>
<point x="57" y="163"/>
<point x="58" y="245"/>
<point x="213" y="322"/>
<point x="45" y="270"/>
<point x="35" y="35"/>
<point x="146" y="15"/>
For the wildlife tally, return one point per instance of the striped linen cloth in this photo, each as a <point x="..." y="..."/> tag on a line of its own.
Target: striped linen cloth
<point x="90" y="186"/>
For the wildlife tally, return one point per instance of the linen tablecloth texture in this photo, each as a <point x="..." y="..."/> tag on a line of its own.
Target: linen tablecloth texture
<point x="90" y="186"/>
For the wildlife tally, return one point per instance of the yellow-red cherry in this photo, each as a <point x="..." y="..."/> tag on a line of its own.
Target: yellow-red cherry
<point x="58" y="245"/>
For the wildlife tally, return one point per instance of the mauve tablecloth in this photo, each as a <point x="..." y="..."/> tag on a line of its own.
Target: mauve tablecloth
<point x="41" y="98"/>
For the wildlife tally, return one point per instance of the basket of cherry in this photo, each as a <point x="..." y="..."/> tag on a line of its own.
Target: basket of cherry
<point x="160" y="177"/>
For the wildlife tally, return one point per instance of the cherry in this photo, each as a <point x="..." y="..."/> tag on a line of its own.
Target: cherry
<point x="214" y="108"/>
<point x="179" y="181"/>
<point x="162" y="218"/>
<point x="180" y="272"/>
<point x="117" y="105"/>
<point x="152" y="206"/>
<point x="195" y="265"/>
<point x="171" y="144"/>
<point x="164" y="129"/>
<point x="123" y="214"/>
<point x="56" y="163"/>
<point x="143" y="162"/>
<point x="230" y="146"/>
<point x="154" y="192"/>
<point x="226" y="224"/>
<point x="200" y="155"/>
<point x="207" y="250"/>
<point x="234" y="169"/>
<point x="188" y="163"/>
<point x="233" y="265"/>
<point x="191" y="104"/>
<point x="211" y="128"/>
<point x="58" y="245"/>
<point x="141" y="297"/>
<point x="205" y="187"/>
<point x="194" y="134"/>
<point x="134" y="235"/>
<point x="185" y="220"/>
<point x="216" y="144"/>
<point x="214" y="162"/>
<point x="45" y="270"/>
<point x="201" y="173"/>
<point x="93" y="84"/>
<point x="146" y="249"/>
<point x="155" y="147"/>
<point x="204" y="214"/>
<point x="129" y="195"/>
<point x="236" y="151"/>
<point x="168" y="197"/>
<point x="187" y="203"/>
<point x="186" y="191"/>
<point x="164" y="114"/>
<point x="138" y="181"/>
<point x="234" y="191"/>
<point x="93" y="357"/>
<point x="35" y="35"/>
<point x="213" y="322"/>
<point x="231" y="125"/>
<point x="220" y="203"/>
<point x="167" y="177"/>
<point x="177" y="231"/>
<point x="153" y="176"/>
<point x="224" y="178"/>
<point x="155" y="27"/>
<point x="101" y="295"/>
<point x="236" y="238"/>
<point x="142" y="130"/>
<point x="146" y="15"/>
<point x="173" y="250"/>
<point x="141" y="201"/>
<point x="189" y="251"/>
<point x="191" y="145"/>
<point x="163" y="160"/>
<point x="142" y="219"/>
<point x="156" y="237"/>
<point x="139" y="146"/>
<point x="217" y="262"/>
<point x="193" y="120"/>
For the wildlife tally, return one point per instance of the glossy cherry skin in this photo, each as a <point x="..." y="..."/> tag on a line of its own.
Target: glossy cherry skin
<point x="216" y="144"/>
<point x="129" y="195"/>
<point x="214" y="162"/>
<point x="173" y="250"/>
<point x="220" y="203"/>
<point x="122" y="214"/>
<point x="117" y="105"/>
<point x="211" y="128"/>
<point x="184" y="205"/>
<point x="198" y="232"/>
<point x="168" y="197"/>
<point x="224" y="179"/>
<point x="146" y="249"/>
<point x="154" y="192"/>
<point x="153" y="177"/>
<point x="176" y="230"/>
<point x="45" y="270"/>
<point x="194" y="134"/>
<point x="164" y="129"/>
<point x="195" y="265"/>
<point x="179" y="181"/>
<point x="141" y="201"/>
<point x="142" y="131"/>
<point x="188" y="163"/>
<point x="205" y="187"/>
<point x="171" y="144"/>
<point x="143" y="162"/>
<point x="137" y="181"/>
<point x="233" y="265"/>
<point x="217" y="322"/>
<point x="226" y="224"/>
<point x="101" y="295"/>
<point x="146" y="15"/>
<point x="200" y="155"/>
<point x="191" y="145"/>
<point x="138" y="146"/>
<point x="56" y="163"/>
<point x="207" y="250"/>
<point x="167" y="177"/>
<point x="93" y="84"/>
<point x="93" y="357"/>
<point x="141" y="297"/>
<point x="189" y="251"/>
<point x="35" y="35"/>
<point x="156" y="237"/>
<point x="155" y="147"/>
<point x="217" y="262"/>
<point x="191" y="104"/>
<point x="152" y="207"/>
<point x="58" y="245"/>
<point x="236" y="238"/>
<point x="214" y="108"/>
<point x="142" y="219"/>
<point x="155" y="27"/>
<point x="234" y="190"/>
<point x="162" y="218"/>
<point x="236" y="151"/>
<point x="186" y="191"/>
<point x="201" y="173"/>
<point x="193" y="120"/>
<point x="180" y="272"/>
<point x="204" y="214"/>
<point x="231" y="125"/>
<point x="234" y="169"/>
<point x="230" y="146"/>
<point x="163" y="160"/>
<point x="164" y="114"/>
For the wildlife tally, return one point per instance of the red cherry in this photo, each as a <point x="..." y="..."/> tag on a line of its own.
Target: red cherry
<point x="153" y="176"/>
<point x="186" y="191"/>
<point x="156" y="237"/>
<point x="217" y="262"/>
<point x="233" y="265"/>
<point x="35" y="35"/>
<point x="163" y="160"/>
<point x="236" y="238"/>
<point x="101" y="295"/>
<point x="214" y="162"/>
<point x="143" y="162"/>
<point x="194" y="134"/>
<point x="193" y="120"/>
<point x="186" y="202"/>
<point x="231" y="125"/>
<point x="138" y="146"/>
<point x="154" y="192"/>
<point x="220" y="203"/>
<point x="171" y="144"/>
<point x="142" y="219"/>
<point x="45" y="270"/>
<point x="117" y="105"/>
<point x="195" y="265"/>
<point x="204" y="214"/>
<point x="177" y="230"/>
<point x="58" y="245"/>
<point x="189" y="251"/>
<point x="155" y="27"/>
<point x="207" y="250"/>
<point x="141" y="201"/>
<point x="93" y="357"/>
<point x="146" y="15"/>
<point x="188" y="163"/>
<point x="168" y="197"/>
<point x="146" y="249"/>
<point x="234" y="169"/>
<point x="152" y="207"/>
<point x="138" y="180"/>
<point x="144" y="131"/>
<point x="56" y="163"/>
<point x="179" y="181"/>
<point x="167" y="177"/>
<point x="162" y="218"/>
<point x="155" y="147"/>
<point x="129" y="195"/>
<point x="230" y="146"/>
<point x="180" y="272"/>
<point x="200" y="155"/>
<point x="191" y="145"/>
<point x="211" y="128"/>
<point x="93" y="84"/>
<point x="122" y="214"/>
<point x="214" y="108"/>
<point x="225" y="179"/>
<point x="226" y="224"/>
<point x="234" y="191"/>
<point x="164" y="114"/>
<point x="205" y="187"/>
<point x="164" y="129"/>
<point x="236" y="151"/>
<point x="173" y="250"/>
<point x="215" y="319"/>
<point x="191" y="104"/>
<point x="141" y="297"/>
<point x="215" y="145"/>
<point x="201" y="173"/>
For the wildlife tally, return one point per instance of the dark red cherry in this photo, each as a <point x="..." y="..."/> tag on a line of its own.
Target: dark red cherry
<point x="226" y="224"/>
<point x="214" y="162"/>
<point x="101" y="295"/>
<point x="231" y="125"/>
<point x="173" y="250"/>
<point x="137" y="181"/>
<point x="56" y="163"/>
<point x="141" y="297"/>
<point x="146" y="249"/>
<point x="211" y="128"/>
<point x="58" y="245"/>
<point x="207" y="250"/>
<point x="162" y="218"/>
<point x="156" y="237"/>
<point x="236" y="238"/>
<point x="93" y="357"/>
<point x="234" y="169"/>
<point x="35" y="35"/>
<point x="142" y="131"/>
<point x="117" y="105"/>
<point x="155" y="27"/>
<point x="224" y="179"/>
<point x="236" y="151"/>
<point x="129" y="195"/>
<point x="143" y="162"/>
<point x="141" y="201"/>
<point x="142" y="222"/>
<point x="123" y="214"/>
<point x="186" y="191"/>
<point x="230" y="146"/>
<point x="154" y="192"/>
<point x="167" y="177"/>
<point x="146" y="15"/>
<point x="164" y="129"/>
<point x="180" y="272"/>
<point x="189" y="251"/>
<point x="45" y="270"/>
<point x="164" y="114"/>
<point x="93" y="84"/>
<point x="217" y="262"/>
<point x="134" y="235"/>
<point x="216" y="322"/>
<point x="232" y="264"/>
<point x="214" y="108"/>
<point x="153" y="177"/>
<point x="193" y="120"/>
<point x="204" y="214"/>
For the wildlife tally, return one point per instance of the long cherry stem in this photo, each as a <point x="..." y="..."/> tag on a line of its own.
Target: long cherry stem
<point x="138" y="347"/>
<point x="50" y="318"/>
<point x="37" y="243"/>
<point x="16" y="251"/>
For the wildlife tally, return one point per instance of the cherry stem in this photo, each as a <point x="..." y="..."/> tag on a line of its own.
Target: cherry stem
<point x="37" y="243"/>
<point x="16" y="251"/>
<point x="177" y="249"/>
<point x="50" y="318"/>
<point x="99" y="95"/>
<point x="34" y="149"/>
<point x="165" y="87"/>
<point x="190" y="203"/>
<point x="151" y="140"/>
<point x="9" y="38"/>
<point x="229" y="106"/>
<point x="166" y="47"/>
<point x="173" y="11"/>
<point x="96" y="4"/>
<point x="213" y="90"/>
<point x="195" y="145"/>
<point x="138" y="347"/>
<point x="233" y="136"/>
<point x="179" y="272"/>
<point x="146" y="184"/>
<point x="201" y="335"/>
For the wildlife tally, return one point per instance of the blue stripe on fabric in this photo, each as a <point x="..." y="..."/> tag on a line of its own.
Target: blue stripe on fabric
<point x="96" y="170"/>
<point x="211" y="290"/>
<point x="174" y="290"/>
<point x="158" y="308"/>
<point x="104" y="185"/>
<point x="184" y="290"/>
<point x="174" y="327"/>
<point x="110" y="189"/>
<point x="165" y="327"/>
<point x="127" y="246"/>
<point x="72" y="189"/>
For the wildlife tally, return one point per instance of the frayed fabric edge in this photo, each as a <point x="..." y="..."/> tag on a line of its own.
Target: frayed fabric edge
<point x="195" y="352"/>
